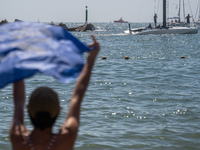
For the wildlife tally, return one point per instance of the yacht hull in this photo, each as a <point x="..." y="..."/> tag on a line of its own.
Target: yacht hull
<point x="197" y="22"/>
<point x="173" y="30"/>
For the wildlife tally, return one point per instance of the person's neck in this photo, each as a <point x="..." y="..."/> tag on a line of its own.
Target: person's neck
<point x="45" y="131"/>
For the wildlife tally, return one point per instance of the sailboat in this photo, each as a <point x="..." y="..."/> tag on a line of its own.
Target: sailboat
<point x="198" y="12"/>
<point x="162" y="30"/>
<point x="176" y="21"/>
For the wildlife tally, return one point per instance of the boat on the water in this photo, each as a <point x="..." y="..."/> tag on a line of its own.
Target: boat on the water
<point x="176" y="21"/>
<point x="164" y="29"/>
<point x="177" y="24"/>
<point x="197" y="22"/>
<point x="120" y="21"/>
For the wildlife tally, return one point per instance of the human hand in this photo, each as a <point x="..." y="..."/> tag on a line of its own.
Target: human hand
<point x="96" y="48"/>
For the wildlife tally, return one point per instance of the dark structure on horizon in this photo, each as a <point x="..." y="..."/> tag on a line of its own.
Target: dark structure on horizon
<point x="82" y="28"/>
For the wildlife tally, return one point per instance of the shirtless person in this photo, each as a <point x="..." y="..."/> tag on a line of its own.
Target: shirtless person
<point x="43" y="109"/>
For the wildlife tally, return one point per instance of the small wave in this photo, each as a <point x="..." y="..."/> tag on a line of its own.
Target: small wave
<point x="119" y="34"/>
<point x="100" y="30"/>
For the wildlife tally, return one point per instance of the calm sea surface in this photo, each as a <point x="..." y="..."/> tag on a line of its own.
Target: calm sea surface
<point x="151" y="101"/>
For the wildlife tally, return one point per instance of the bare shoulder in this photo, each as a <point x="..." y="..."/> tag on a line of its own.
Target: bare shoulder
<point x="64" y="140"/>
<point x="68" y="132"/>
<point x="67" y="135"/>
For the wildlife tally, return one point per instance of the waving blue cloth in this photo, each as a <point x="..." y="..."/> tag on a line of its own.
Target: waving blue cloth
<point x="28" y="48"/>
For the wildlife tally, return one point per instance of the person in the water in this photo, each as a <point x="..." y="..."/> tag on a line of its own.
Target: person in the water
<point x="43" y="109"/>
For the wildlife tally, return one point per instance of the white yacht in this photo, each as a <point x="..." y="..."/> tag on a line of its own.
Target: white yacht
<point x="164" y="29"/>
<point x="176" y="21"/>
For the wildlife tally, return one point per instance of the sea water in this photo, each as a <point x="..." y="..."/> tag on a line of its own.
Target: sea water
<point x="150" y="101"/>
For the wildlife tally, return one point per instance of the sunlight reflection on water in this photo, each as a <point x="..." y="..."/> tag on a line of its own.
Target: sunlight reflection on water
<point x="150" y="101"/>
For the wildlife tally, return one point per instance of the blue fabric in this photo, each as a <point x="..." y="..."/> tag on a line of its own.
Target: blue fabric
<point x="28" y="48"/>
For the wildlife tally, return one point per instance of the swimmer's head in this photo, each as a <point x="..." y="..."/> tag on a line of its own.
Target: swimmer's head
<point x="43" y="107"/>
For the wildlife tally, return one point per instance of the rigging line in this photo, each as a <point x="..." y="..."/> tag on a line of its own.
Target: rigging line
<point x="179" y="10"/>
<point x="191" y="10"/>
<point x="184" y="10"/>
<point x="139" y="10"/>
<point x="199" y="12"/>
<point x="167" y="9"/>
<point x="190" y="7"/>
<point x="175" y="10"/>
<point x="158" y="6"/>
<point x="197" y="9"/>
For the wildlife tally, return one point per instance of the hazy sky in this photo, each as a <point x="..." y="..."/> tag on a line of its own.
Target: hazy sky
<point x="98" y="10"/>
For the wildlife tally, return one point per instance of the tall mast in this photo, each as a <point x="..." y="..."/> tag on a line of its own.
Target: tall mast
<point x="164" y="13"/>
<point x="199" y="12"/>
<point x="179" y="11"/>
<point x="183" y="9"/>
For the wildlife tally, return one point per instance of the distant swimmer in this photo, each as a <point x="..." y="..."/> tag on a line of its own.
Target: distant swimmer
<point x="155" y="20"/>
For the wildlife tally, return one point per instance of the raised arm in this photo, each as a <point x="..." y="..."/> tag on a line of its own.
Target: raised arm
<point x="19" y="100"/>
<point x="72" y="122"/>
